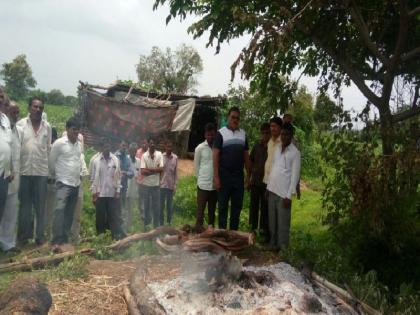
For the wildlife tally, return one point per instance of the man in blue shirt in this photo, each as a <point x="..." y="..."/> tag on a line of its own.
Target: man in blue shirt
<point x="230" y="154"/>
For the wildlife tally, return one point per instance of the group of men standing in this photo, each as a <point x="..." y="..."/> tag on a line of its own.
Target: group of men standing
<point x="140" y="177"/>
<point x="273" y="172"/>
<point x="31" y="161"/>
<point x="25" y="146"/>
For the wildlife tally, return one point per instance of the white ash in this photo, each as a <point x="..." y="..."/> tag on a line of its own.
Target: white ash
<point x="290" y="293"/>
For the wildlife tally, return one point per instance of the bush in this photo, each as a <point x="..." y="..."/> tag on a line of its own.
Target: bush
<point x="371" y="204"/>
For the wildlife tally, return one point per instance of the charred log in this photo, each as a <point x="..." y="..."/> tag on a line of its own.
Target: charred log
<point x="25" y="296"/>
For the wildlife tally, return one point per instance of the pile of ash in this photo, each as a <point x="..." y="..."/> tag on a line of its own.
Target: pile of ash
<point x="220" y="285"/>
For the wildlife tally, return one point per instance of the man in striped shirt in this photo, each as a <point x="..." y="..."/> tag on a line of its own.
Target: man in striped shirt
<point x="230" y="155"/>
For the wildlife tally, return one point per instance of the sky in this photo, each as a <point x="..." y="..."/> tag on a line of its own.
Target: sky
<point x="100" y="41"/>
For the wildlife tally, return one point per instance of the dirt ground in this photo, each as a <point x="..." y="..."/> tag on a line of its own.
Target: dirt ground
<point x="99" y="293"/>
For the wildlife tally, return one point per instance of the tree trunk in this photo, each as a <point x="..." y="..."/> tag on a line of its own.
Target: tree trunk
<point x="387" y="130"/>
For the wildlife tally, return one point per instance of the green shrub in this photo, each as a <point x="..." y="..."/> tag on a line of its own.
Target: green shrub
<point x="371" y="204"/>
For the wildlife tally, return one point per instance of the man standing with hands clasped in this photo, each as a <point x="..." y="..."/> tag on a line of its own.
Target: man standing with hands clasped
<point x="106" y="184"/>
<point x="65" y="165"/>
<point x="203" y="167"/>
<point x="284" y="176"/>
<point x="151" y="166"/>
<point x="36" y="145"/>
<point x="230" y="154"/>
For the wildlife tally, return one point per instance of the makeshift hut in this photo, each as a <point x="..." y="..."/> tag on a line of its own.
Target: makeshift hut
<point x="120" y="112"/>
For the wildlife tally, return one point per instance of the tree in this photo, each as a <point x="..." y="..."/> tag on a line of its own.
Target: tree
<point x="71" y="100"/>
<point x="17" y="76"/>
<point x="371" y="199"/>
<point x="371" y="43"/>
<point x="327" y="112"/>
<point x="301" y="107"/>
<point x="56" y="97"/>
<point x="170" y="71"/>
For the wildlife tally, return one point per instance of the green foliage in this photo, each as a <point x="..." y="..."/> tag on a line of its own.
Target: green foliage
<point x="185" y="199"/>
<point x="71" y="268"/>
<point x="17" y="76"/>
<point x="99" y="243"/>
<point x="256" y="109"/>
<point x="277" y="90"/>
<point x="6" y="279"/>
<point x="371" y="202"/>
<point x="170" y="71"/>
<point x="301" y="107"/>
<point x="338" y="42"/>
<point x="327" y="112"/>
<point x="136" y="85"/>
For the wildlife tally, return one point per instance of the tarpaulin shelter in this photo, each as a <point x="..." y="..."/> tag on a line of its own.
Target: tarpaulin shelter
<point x="133" y="115"/>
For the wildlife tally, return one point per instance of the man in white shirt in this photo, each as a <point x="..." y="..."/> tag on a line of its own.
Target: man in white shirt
<point x="203" y="167"/>
<point x="151" y="166"/>
<point x="283" y="178"/>
<point x="8" y="221"/>
<point x="106" y="186"/>
<point x="5" y="151"/>
<point x="132" y="188"/>
<point x="65" y="166"/>
<point x="36" y="145"/>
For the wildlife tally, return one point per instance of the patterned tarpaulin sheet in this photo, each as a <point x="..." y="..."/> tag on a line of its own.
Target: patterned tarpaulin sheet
<point x="108" y="117"/>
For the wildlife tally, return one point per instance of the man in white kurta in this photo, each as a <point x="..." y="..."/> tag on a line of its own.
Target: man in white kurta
<point x="36" y="145"/>
<point x="5" y="151"/>
<point x="8" y="221"/>
<point x="283" y="178"/>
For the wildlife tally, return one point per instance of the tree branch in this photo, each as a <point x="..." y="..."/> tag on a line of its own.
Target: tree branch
<point x="344" y="63"/>
<point x="389" y="76"/>
<point x="414" y="12"/>
<point x="416" y="95"/>
<point x="356" y="77"/>
<point x="364" y="31"/>
<point x="411" y="54"/>
<point x="402" y="34"/>
<point x="414" y="111"/>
